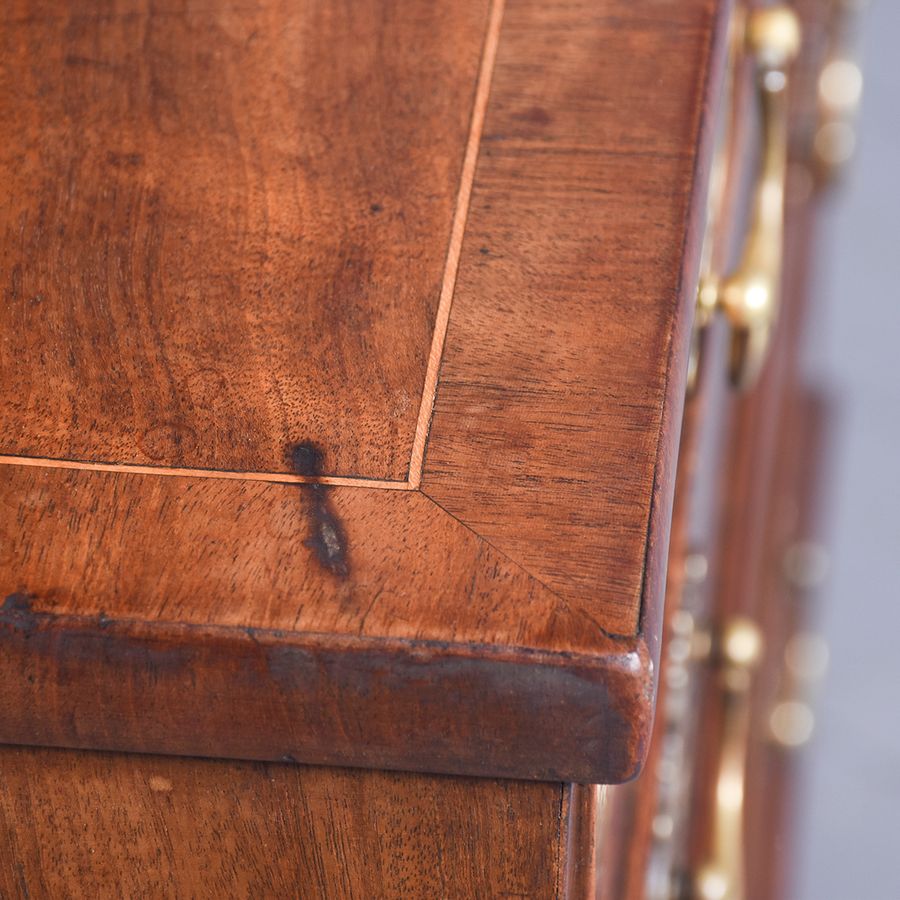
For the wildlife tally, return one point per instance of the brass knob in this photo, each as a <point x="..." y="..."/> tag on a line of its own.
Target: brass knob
<point x="773" y="36"/>
<point x="749" y="296"/>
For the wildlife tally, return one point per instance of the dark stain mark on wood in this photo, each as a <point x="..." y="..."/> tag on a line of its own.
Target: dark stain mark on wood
<point x="17" y="613"/>
<point x="306" y="460"/>
<point x="328" y="539"/>
<point x="376" y="208"/>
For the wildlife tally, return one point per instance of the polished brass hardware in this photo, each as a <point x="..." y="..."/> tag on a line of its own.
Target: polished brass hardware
<point x="792" y="720"/>
<point x="791" y="723"/>
<point x="840" y="88"/>
<point x="722" y="876"/>
<point x="696" y="568"/>
<point x="748" y="297"/>
<point x="840" y="91"/>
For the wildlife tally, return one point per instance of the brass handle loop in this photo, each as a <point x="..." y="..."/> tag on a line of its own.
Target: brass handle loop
<point x="722" y="876"/>
<point x="749" y="296"/>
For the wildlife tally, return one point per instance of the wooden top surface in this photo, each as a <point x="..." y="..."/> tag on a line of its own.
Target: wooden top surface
<point x="225" y="227"/>
<point x="362" y="328"/>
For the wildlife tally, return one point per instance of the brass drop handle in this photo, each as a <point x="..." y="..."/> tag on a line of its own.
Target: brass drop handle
<point x="749" y="296"/>
<point x="721" y="877"/>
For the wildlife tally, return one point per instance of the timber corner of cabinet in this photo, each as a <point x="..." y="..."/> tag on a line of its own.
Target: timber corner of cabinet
<point x="343" y="451"/>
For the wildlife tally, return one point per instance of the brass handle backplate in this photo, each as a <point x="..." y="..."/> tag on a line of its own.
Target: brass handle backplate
<point x="749" y="296"/>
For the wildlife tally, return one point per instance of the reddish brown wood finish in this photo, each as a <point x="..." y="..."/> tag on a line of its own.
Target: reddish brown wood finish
<point x="498" y="614"/>
<point x="86" y="825"/>
<point x="797" y="502"/>
<point x="224" y="228"/>
<point x="586" y="830"/>
<point x="558" y="410"/>
<point x="106" y="645"/>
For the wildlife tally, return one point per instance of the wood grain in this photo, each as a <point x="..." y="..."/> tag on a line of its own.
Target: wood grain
<point x="567" y="338"/>
<point x="203" y="552"/>
<point x="212" y="618"/>
<point x="506" y="615"/>
<point x="224" y="229"/>
<point x="88" y="824"/>
<point x="584" y="815"/>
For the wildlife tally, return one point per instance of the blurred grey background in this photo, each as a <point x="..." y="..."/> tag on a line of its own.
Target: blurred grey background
<point x="850" y="816"/>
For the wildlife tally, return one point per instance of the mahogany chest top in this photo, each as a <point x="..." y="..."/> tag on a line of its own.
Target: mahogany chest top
<point x="343" y="356"/>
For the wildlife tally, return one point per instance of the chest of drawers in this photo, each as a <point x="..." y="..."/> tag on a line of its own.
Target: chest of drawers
<point x="378" y="496"/>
